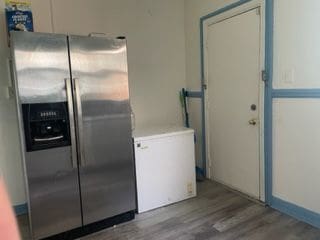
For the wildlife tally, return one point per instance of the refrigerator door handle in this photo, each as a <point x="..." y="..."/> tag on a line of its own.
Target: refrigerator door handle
<point x="75" y="83"/>
<point x="71" y="121"/>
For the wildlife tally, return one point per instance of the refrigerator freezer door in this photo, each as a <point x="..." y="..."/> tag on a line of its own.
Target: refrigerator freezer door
<point x="40" y="67"/>
<point x="100" y="81"/>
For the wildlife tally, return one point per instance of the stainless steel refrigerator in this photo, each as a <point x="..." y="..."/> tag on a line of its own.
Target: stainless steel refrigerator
<point x="75" y="125"/>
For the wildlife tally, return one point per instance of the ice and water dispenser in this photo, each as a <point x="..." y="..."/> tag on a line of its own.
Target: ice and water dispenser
<point x="46" y="125"/>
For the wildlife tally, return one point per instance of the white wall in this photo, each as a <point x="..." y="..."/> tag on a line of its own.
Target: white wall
<point x="296" y="135"/>
<point x="296" y="44"/>
<point x="156" y="55"/>
<point x="296" y="155"/>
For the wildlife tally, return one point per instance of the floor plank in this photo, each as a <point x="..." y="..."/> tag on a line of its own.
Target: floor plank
<point x="216" y="214"/>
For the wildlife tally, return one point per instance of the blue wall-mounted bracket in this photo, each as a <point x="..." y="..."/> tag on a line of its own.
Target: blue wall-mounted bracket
<point x="192" y="94"/>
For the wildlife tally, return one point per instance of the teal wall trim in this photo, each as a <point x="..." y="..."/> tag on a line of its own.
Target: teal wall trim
<point x="296" y="93"/>
<point x="297" y="212"/>
<point x="224" y="9"/>
<point x="21" y="209"/>
<point x="268" y="105"/>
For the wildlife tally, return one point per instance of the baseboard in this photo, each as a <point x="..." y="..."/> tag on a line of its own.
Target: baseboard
<point x="21" y="209"/>
<point x="297" y="212"/>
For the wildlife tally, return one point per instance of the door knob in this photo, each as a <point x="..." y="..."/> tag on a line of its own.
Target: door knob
<point x="253" y="122"/>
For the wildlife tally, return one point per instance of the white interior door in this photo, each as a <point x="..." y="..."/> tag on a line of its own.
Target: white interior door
<point x="233" y="101"/>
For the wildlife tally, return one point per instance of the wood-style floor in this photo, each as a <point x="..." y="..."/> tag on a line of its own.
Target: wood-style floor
<point x="216" y="214"/>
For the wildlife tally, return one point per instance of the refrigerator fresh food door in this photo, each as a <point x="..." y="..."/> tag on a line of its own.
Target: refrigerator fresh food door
<point x="42" y="77"/>
<point x="103" y="117"/>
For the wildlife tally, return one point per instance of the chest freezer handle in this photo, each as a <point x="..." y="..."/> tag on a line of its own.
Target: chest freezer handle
<point x="71" y="122"/>
<point x="79" y="121"/>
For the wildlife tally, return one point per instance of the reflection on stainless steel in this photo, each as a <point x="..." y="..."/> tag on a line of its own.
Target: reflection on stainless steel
<point x="53" y="192"/>
<point x="41" y="66"/>
<point x="116" y="90"/>
<point x="52" y="180"/>
<point x="96" y="158"/>
<point x="107" y="177"/>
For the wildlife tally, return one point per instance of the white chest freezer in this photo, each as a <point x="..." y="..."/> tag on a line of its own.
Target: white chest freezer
<point x="165" y="166"/>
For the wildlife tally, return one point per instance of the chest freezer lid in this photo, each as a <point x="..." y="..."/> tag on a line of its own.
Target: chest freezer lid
<point x="149" y="133"/>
